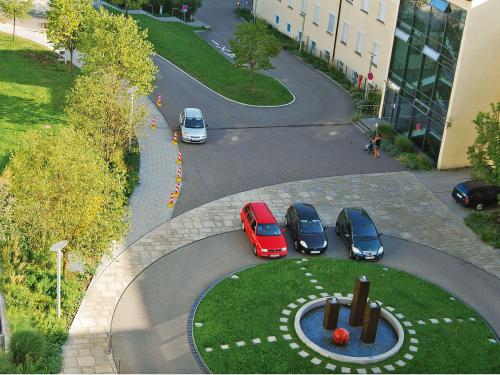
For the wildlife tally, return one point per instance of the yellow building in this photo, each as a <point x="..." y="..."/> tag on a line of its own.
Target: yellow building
<point x="436" y="61"/>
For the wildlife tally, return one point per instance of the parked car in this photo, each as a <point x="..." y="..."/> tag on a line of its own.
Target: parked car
<point x="476" y="194"/>
<point x="263" y="231"/>
<point x="306" y="228"/>
<point x="193" y="127"/>
<point x="357" y="230"/>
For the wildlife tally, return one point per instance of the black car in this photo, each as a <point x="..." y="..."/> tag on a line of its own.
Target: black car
<point x="476" y="194"/>
<point x="306" y="228"/>
<point x="360" y="235"/>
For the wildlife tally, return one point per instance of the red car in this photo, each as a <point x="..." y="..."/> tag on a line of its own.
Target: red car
<point x="263" y="231"/>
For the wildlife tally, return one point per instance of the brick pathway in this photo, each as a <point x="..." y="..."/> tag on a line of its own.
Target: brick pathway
<point x="399" y="203"/>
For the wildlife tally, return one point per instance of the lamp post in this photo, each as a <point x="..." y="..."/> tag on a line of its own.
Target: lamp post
<point x="58" y="246"/>
<point x="369" y="71"/>
<point x="254" y="10"/>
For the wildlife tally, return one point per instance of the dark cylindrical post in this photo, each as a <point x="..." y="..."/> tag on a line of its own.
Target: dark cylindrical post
<point x="370" y="323"/>
<point x="359" y="299"/>
<point x="331" y="313"/>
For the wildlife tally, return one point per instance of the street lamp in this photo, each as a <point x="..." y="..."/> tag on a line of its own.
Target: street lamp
<point x="58" y="246"/>
<point x="254" y="10"/>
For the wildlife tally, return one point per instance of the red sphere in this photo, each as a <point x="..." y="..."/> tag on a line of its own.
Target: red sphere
<point x="340" y="336"/>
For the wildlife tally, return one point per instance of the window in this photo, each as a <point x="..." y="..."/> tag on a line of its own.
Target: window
<point x="359" y="42"/>
<point x="345" y="33"/>
<point x="376" y="53"/>
<point x="382" y="10"/>
<point x="365" y="5"/>
<point x="288" y="27"/>
<point x="303" y="8"/>
<point x="313" y="47"/>
<point x="331" y="22"/>
<point x="277" y="19"/>
<point x="291" y="3"/>
<point x="316" y="14"/>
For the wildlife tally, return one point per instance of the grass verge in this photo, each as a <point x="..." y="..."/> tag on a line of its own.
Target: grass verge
<point x="486" y="225"/>
<point x="250" y="307"/>
<point x="183" y="46"/>
<point x="33" y="86"/>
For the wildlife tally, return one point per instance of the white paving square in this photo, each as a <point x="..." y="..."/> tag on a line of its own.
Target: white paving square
<point x="412" y="348"/>
<point x="389" y="367"/>
<point x="315" y="361"/>
<point x="400" y="316"/>
<point x="208" y="350"/>
<point x="385" y="269"/>
<point x="376" y="370"/>
<point x="312" y="296"/>
<point x="401" y="363"/>
<point x="198" y="324"/>
<point x="308" y="274"/>
<point x="303" y="268"/>
<point x="318" y="287"/>
<point x="283" y="328"/>
<point x="337" y="295"/>
<point x="409" y="357"/>
<point x="447" y="320"/>
<point x="284" y="320"/>
<point x="390" y="308"/>
<point x="224" y="347"/>
<point x="324" y="294"/>
<point x="411" y="331"/>
<point x="294" y="345"/>
<point x="460" y="320"/>
<point x="472" y="319"/>
<point x="301" y="300"/>
<point x="303" y="354"/>
<point x="287" y="337"/>
<point x="292" y="305"/>
<point x="345" y="370"/>
<point x="434" y="321"/>
<point x="414" y="340"/>
<point x="314" y="281"/>
<point x="285" y="312"/>
<point x="298" y="262"/>
<point x="305" y="259"/>
<point x="379" y="302"/>
<point x="361" y="371"/>
<point x="240" y="343"/>
<point x="271" y="338"/>
<point x="421" y="322"/>
<point x="234" y="277"/>
<point x="330" y="367"/>
<point x="493" y="341"/>
<point x="256" y="341"/>
<point x="407" y="323"/>
<point x="349" y="295"/>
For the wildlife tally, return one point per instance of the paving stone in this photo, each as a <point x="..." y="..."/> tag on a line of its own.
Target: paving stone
<point x="88" y="370"/>
<point x="72" y="370"/>
<point x="324" y="294"/>
<point x="319" y="287"/>
<point x="361" y="371"/>
<point x="389" y="367"/>
<point x="314" y="281"/>
<point x="234" y="277"/>
<point x="414" y="340"/>
<point x="400" y="363"/>
<point x="390" y="308"/>
<point x="421" y="322"/>
<point x="85" y="361"/>
<point x="294" y="345"/>
<point x="337" y="295"/>
<point x="376" y="370"/>
<point x="345" y="370"/>
<point x="307" y="274"/>
<point x="283" y="320"/>
<point x="472" y="319"/>
<point x="385" y="268"/>
<point x="407" y="324"/>
<point x="434" y="321"/>
<point x="287" y="337"/>
<point x="305" y="259"/>
<point x="412" y="348"/>
<point x="315" y="361"/>
<point x="303" y="268"/>
<point x="84" y="352"/>
<point x="286" y="312"/>
<point x="283" y="328"/>
<point x="312" y="296"/>
<point x="411" y="331"/>
<point x="453" y="299"/>
<point x="447" y="320"/>
<point x="303" y="354"/>
<point x="240" y="343"/>
<point x="330" y="367"/>
<point x="198" y="325"/>
<point x="292" y="305"/>
<point x="408" y="356"/>
<point x="400" y="316"/>
<point x="208" y="350"/>
<point x="460" y="320"/>
<point x="224" y="347"/>
<point x="70" y="362"/>
<point x="301" y="300"/>
<point x="256" y="341"/>
<point x="271" y="338"/>
<point x="103" y="369"/>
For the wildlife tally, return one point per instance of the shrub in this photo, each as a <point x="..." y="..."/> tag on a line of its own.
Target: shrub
<point x="6" y="365"/>
<point x="403" y="144"/>
<point x="486" y="226"/>
<point x="27" y="347"/>
<point x="386" y="131"/>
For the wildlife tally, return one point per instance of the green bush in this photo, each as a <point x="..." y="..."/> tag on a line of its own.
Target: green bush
<point x="386" y="132"/>
<point x="27" y="347"/>
<point x="6" y="365"/>
<point x="403" y="144"/>
<point x="486" y="225"/>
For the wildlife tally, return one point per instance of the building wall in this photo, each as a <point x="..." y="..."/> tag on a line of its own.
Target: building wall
<point x="477" y="80"/>
<point x="352" y="13"/>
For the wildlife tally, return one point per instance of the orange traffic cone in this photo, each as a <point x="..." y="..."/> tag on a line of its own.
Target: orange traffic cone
<point x="177" y="190"/>
<point x="179" y="157"/>
<point x="174" y="141"/>
<point x="158" y="101"/>
<point x="171" y="201"/>
<point x="179" y="175"/>
<point x="153" y="123"/>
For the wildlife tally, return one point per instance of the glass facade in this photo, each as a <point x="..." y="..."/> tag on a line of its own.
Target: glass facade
<point x="424" y="56"/>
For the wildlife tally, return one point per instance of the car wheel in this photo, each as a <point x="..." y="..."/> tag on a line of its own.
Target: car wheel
<point x="242" y="226"/>
<point x="479" y="207"/>
<point x="255" y="250"/>
<point x="337" y="230"/>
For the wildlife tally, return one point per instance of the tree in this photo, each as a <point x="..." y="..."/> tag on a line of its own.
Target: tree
<point x="65" y="20"/>
<point x="484" y="154"/>
<point x="15" y="9"/>
<point x="254" y="47"/>
<point x="128" y="4"/>
<point x="100" y="106"/>
<point x="63" y="189"/>
<point x="114" y="43"/>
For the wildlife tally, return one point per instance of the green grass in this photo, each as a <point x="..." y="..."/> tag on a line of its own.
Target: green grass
<point x="250" y="307"/>
<point x="183" y="46"/>
<point x="33" y="86"/>
<point x="486" y="225"/>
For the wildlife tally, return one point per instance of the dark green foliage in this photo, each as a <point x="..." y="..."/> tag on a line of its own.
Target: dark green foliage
<point x="414" y="161"/>
<point x="403" y="143"/>
<point x="27" y="347"/>
<point x="486" y="225"/>
<point x="133" y="164"/>
<point x="386" y="132"/>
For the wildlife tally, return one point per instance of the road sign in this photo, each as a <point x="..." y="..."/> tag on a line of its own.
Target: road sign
<point x="184" y="8"/>
<point x="418" y="126"/>
<point x="370" y="76"/>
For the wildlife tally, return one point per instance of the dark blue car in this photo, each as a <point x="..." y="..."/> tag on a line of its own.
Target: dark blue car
<point x="306" y="228"/>
<point x="476" y="194"/>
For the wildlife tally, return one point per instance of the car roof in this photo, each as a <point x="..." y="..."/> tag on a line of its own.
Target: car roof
<point x="262" y="213"/>
<point x="358" y="215"/>
<point x="193" y="112"/>
<point x="475" y="184"/>
<point x="306" y="211"/>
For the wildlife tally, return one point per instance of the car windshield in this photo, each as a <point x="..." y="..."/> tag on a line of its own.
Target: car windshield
<point x="192" y="122"/>
<point x="366" y="230"/>
<point x="311" y="226"/>
<point x="268" y="230"/>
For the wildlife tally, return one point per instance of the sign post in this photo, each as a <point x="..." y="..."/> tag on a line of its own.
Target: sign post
<point x="184" y="10"/>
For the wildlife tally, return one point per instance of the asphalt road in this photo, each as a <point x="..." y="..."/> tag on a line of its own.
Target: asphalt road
<point x="149" y="324"/>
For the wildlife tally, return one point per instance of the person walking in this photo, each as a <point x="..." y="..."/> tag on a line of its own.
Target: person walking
<point x="376" y="145"/>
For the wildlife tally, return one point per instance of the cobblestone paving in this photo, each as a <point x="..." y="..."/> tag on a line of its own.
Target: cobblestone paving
<point x="398" y="202"/>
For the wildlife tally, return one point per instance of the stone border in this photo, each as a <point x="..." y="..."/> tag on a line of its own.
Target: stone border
<point x="342" y="358"/>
